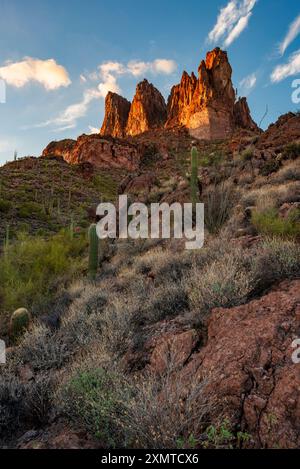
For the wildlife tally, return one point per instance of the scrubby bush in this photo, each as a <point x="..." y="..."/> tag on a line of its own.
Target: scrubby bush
<point x="5" y="206"/>
<point x="92" y="399"/>
<point x="270" y="167"/>
<point x="270" y="223"/>
<point x="218" y="205"/>
<point x="292" y="151"/>
<point x="164" y="411"/>
<point x="275" y="260"/>
<point x="225" y="282"/>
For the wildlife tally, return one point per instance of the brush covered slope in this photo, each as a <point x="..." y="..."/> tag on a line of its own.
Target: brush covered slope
<point x="165" y="347"/>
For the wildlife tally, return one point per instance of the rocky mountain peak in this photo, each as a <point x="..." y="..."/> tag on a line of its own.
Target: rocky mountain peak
<point x="117" y="111"/>
<point x="148" y="110"/>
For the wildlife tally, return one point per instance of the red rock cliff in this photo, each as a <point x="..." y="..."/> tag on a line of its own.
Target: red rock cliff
<point x="207" y="105"/>
<point x="148" y="110"/>
<point x="116" y="115"/>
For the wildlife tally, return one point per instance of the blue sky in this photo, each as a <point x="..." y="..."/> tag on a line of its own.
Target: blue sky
<point x="58" y="58"/>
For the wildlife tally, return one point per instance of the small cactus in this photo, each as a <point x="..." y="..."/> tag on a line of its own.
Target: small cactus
<point x="19" y="322"/>
<point x="194" y="175"/>
<point x="93" y="251"/>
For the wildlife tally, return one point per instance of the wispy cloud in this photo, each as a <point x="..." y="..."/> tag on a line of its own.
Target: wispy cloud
<point x="248" y="83"/>
<point x="45" y="72"/>
<point x="67" y="119"/>
<point x="292" y="33"/>
<point x="292" y="67"/>
<point x="231" y="22"/>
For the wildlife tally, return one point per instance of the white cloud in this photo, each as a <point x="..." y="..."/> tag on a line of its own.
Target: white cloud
<point x="292" y="67"/>
<point x="93" y="130"/>
<point x="248" y="83"/>
<point x="232" y="21"/>
<point x="292" y="33"/>
<point x="166" y="67"/>
<point x="45" y="72"/>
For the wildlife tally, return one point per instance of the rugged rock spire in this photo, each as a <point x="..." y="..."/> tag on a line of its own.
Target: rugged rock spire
<point x="206" y="105"/>
<point x="148" y="110"/>
<point x="116" y="115"/>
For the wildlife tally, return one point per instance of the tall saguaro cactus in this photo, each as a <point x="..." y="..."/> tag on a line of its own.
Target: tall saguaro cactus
<point x="93" y="251"/>
<point x="194" y="175"/>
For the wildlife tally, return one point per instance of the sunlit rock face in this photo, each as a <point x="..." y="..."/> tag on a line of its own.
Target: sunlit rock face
<point x="116" y="116"/>
<point x="148" y="110"/>
<point x="207" y="105"/>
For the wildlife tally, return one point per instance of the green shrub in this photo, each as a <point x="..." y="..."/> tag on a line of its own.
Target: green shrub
<point x="34" y="268"/>
<point x="292" y="151"/>
<point x="269" y="222"/>
<point x="247" y="154"/>
<point x="31" y="209"/>
<point x="91" y="399"/>
<point x="5" y="206"/>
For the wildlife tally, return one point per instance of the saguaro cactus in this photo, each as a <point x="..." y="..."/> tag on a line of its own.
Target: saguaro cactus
<point x="93" y="251"/>
<point x="194" y="175"/>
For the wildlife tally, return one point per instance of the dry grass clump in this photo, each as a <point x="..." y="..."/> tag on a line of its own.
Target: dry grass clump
<point x="225" y="282"/>
<point x="269" y="196"/>
<point x="164" y="411"/>
<point x="219" y="202"/>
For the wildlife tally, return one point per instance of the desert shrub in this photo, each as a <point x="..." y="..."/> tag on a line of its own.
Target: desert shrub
<point x="290" y="172"/>
<point x="32" y="209"/>
<point x="91" y="399"/>
<point x="11" y="404"/>
<point x="275" y="260"/>
<point x="44" y="350"/>
<point x="218" y="205"/>
<point x="33" y="268"/>
<point x="164" y="411"/>
<point x="292" y="151"/>
<point x="270" y="223"/>
<point x="39" y="399"/>
<point x="168" y="300"/>
<point x="225" y="282"/>
<point x="270" y="167"/>
<point x="5" y="206"/>
<point x="247" y="154"/>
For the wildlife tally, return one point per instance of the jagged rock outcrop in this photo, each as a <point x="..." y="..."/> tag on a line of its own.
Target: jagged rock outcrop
<point x="116" y="116"/>
<point x="207" y="105"/>
<point x="284" y="131"/>
<point x="98" y="151"/>
<point x="242" y="115"/>
<point x="61" y="149"/>
<point x="148" y="110"/>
